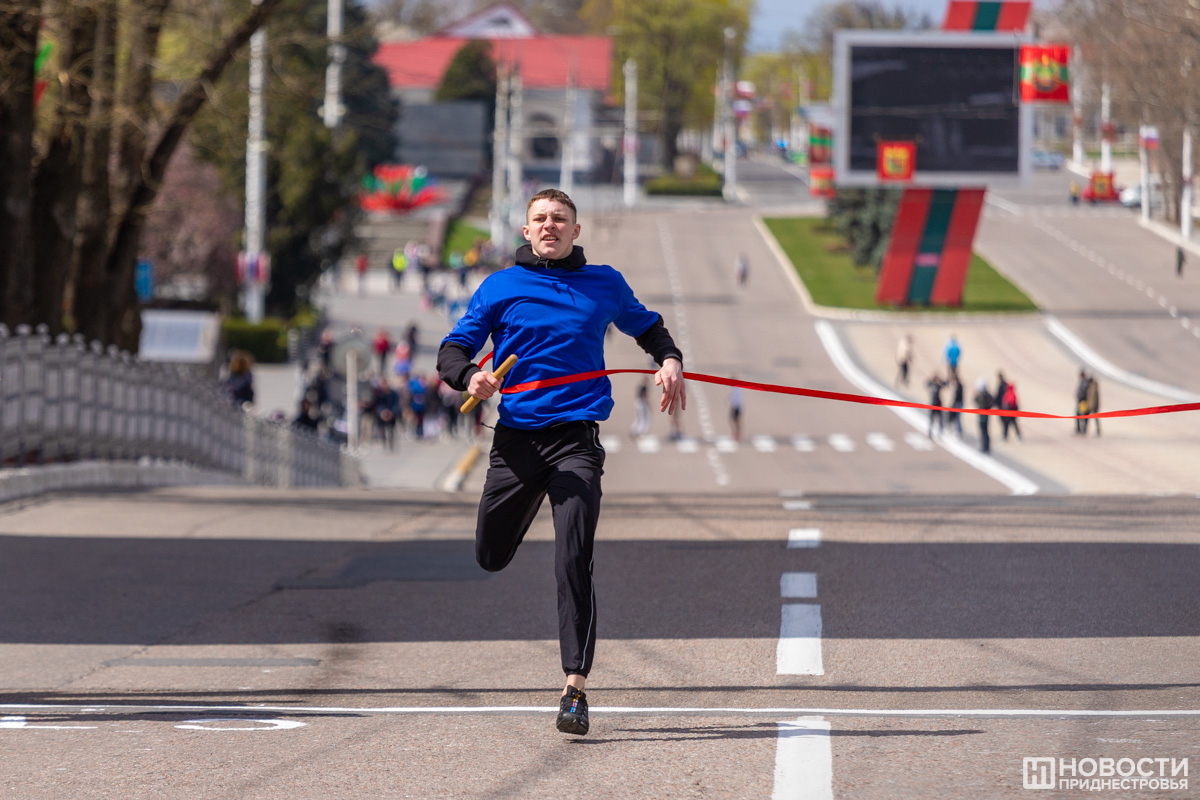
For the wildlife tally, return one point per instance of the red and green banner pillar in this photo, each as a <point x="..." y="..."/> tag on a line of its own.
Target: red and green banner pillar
<point x="930" y="249"/>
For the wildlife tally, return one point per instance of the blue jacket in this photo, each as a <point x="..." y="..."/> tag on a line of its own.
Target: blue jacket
<point x="553" y="316"/>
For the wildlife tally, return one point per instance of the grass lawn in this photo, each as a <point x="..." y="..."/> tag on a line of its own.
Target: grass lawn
<point x="818" y="254"/>
<point x="461" y="236"/>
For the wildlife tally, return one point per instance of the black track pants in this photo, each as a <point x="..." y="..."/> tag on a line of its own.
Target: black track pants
<point x="564" y="462"/>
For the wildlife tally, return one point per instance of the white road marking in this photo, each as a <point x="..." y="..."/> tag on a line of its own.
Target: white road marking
<point x="774" y="711"/>
<point x="918" y="442"/>
<point x="1015" y="481"/>
<point x="14" y="723"/>
<point x="220" y="724"/>
<point x="804" y="760"/>
<point x="803" y="444"/>
<point x="881" y="442"/>
<point x="799" y="649"/>
<point x="687" y="445"/>
<point x="804" y="537"/>
<point x="791" y="493"/>
<point x="611" y="444"/>
<point x="798" y="585"/>
<point x="725" y="444"/>
<point x="797" y="505"/>
<point x="647" y="444"/>
<point x="841" y="442"/>
<point x="764" y="444"/>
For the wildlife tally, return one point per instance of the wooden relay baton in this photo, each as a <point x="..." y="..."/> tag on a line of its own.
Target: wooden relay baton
<point x="499" y="373"/>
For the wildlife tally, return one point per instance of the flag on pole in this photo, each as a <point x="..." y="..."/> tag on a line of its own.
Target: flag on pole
<point x="896" y="161"/>
<point x="820" y="145"/>
<point x="1044" y="75"/>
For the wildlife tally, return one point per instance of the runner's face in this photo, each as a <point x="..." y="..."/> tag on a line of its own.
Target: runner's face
<point x="551" y="229"/>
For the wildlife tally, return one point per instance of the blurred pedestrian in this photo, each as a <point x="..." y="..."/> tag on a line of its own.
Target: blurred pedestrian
<point x="954" y="418"/>
<point x="387" y="411"/>
<point x="1093" y="402"/>
<point x="399" y="265"/>
<point x="641" y="410"/>
<point x="953" y="353"/>
<point x="1081" y="391"/>
<point x="239" y="386"/>
<point x="735" y="412"/>
<point x="983" y="400"/>
<point x="1006" y="394"/>
<point x="382" y="345"/>
<point x="741" y="269"/>
<point x="935" y="385"/>
<point x="1074" y="193"/>
<point x="1179" y="261"/>
<point x="360" y="266"/>
<point x="904" y="359"/>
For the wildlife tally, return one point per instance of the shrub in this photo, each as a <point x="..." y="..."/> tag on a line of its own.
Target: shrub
<point x="266" y="341"/>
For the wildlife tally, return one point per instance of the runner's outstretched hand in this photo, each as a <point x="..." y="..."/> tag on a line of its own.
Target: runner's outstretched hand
<point x="670" y="378"/>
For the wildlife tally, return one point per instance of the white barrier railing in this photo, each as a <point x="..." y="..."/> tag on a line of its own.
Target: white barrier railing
<point x="64" y="400"/>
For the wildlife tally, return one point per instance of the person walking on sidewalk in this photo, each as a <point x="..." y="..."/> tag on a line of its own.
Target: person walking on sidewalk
<point x="954" y="418"/>
<point x="1081" y="391"/>
<point x="547" y="441"/>
<point x="904" y="359"/>
<point x="1179" y="261"/>
<point x="1092" y="400"/>
<point x="985" y="401"/>
<point x="934" y="385"/>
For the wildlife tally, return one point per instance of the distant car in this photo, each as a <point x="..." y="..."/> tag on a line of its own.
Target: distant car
<point x="1089" y="195"/>
<point x="1047" y="159"/>
<point x="1131" y="196"/>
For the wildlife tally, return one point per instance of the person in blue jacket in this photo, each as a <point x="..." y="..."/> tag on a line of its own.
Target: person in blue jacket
<point x="551" y="309"/>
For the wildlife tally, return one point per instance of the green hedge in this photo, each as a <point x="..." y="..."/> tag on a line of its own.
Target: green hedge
<point x="266" y="341"/>
<point x="701" y="185"/>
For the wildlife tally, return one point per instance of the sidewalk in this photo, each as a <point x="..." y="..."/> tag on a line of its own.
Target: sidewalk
<point x="1139" y="455"/>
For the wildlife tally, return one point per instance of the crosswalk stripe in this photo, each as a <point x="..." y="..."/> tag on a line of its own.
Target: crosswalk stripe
<point x="917" y="441"/>
<point x="647" y="444"/>
<point x="803" y="444"/>
<point x="841" y="442"/>
<point x="764" y="444"/>
<point x="881" y="442"/>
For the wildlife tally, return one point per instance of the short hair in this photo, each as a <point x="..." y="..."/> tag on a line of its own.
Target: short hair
<point x="556" y="195"/>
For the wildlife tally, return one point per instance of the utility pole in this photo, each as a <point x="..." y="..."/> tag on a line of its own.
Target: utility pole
<point x="253" y="274"/>
<point x="516" y="151"/>
<point x="1105" y="128"/>
<point x="566" y="172"/>
<point x="729" y="191"/>
<point x="499" y="214"/>
<point x="1076" y="111"/>
<point x="332" y="111"/>
<point x="629" y="142"/>
<point x="1185" y="200"/>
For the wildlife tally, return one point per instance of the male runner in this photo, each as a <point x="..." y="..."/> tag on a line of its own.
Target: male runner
<point x="552" y="310"/>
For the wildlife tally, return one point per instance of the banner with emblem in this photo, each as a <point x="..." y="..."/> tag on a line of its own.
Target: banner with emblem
<point x="1044" y="74"/>
<point x="896" y="161"/>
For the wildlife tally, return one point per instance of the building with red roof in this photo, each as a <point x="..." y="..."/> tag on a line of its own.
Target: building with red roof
<point x="547" y="65"/>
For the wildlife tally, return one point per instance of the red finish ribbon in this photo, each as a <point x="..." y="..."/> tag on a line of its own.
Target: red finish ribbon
<point x="843" y="397"/>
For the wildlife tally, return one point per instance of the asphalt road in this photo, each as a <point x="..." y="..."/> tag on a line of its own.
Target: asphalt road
<point x="805" y="612"/>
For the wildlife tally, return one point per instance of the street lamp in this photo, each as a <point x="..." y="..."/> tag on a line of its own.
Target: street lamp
<point x="253" y="263"/>
<point x="729" y="191"/>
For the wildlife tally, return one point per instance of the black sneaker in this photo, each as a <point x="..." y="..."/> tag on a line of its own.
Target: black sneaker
<point x="573" y="712"/>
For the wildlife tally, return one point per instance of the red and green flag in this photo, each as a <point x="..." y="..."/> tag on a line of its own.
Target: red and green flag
<point x="820" y="145"/>
<point x="1044" y="75"/>
<point x="992" y="16"/>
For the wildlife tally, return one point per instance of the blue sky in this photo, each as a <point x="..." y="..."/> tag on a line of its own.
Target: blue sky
<point x="773" y="17"/>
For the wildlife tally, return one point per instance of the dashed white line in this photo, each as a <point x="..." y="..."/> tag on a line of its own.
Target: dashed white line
<point x="881" y="442"/>
<point x="804" y="760"/>
<point x="799" y="649"/>
<point x="841" y="442"/>
<point x="764" y="444"/>
<point x="803" y="444"/>
<point x="803" y="537"/>
<point x="798" y="585"/>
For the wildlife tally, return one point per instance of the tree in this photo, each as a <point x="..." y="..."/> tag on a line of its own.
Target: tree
<point x="679" y="46"/>
<point x="470" y="75"/>
<point x="1149" y="54"/>
<point x="73" y="202"/>
<point x="849" y="14"/>
<point x="312" y="173"/>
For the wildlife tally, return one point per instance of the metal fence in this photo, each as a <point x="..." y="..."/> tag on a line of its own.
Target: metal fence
<point x="64" y="399"/>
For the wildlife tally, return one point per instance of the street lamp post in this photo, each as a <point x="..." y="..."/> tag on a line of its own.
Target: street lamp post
<point x="254" y="271"/>
<point x="629" y="143"/>
<point x="332" y="111"/>
<point x="729" y="191"/>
